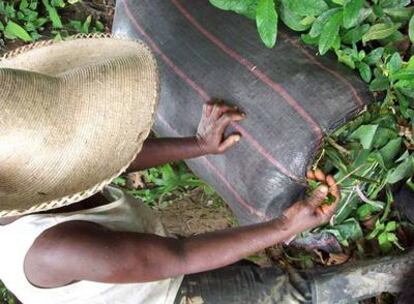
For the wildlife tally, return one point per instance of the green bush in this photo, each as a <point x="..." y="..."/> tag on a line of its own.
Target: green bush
<point x="372" y="153"/>
<point x="28" y="20"/>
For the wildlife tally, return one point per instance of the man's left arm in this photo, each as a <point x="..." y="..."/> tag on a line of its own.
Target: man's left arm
<point x="208" y="140"/>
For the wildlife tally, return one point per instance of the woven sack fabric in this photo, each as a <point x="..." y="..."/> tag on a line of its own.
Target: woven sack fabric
<point x="292" y="98"/>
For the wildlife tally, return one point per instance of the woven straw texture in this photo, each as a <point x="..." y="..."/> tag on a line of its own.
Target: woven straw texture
<point x="74" y="116"/>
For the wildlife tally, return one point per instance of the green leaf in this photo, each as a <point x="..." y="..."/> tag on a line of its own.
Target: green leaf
<point x="351" y="13"/>
<point x="406" y="74"/>
<point x="379" y="31"/>
<point x="266" y="21"/>
<point x="291" y="19"/>
<point x="365" y="71"/>
<point x="345" y="58"/>
<point x="99" y="26"/>
<point x="243" y="7"/>
<point x="391" y="226"/>
<point x="237" y="6"/>
<point x="403" y="157"/>
<point x="403" y="170"/>
<point x="354" y="35"/>
<point x="366" y="211"/>
<point x="384" y="243"/>
<point x="365" y="134"/>
<point x="383" y="136"/>
<point x="394" y="3"/>
<point x="76" y="24"/>
<point x="364" y="14"/>
<point x="119" y="181"/>
<point x="349" y="230"/>
<point x="395" y="63"/>
<point x="390" y="151"/>
<point x="411" y="29"/>
<point x="378" y="11"/>
<point x="307" y="20"/>
<point x="410" y="184"/>
<point x="23" y="5"/>
<point x="309" y="40"/>
<point x="86" y="24"/>
<point x="330" y="32"/>
<point x="375" y="55"/>
<point x="379" y="84"/>
<point x="53" y="14"/>
<point x="58" y="3"/>
<point x="307" y="7"/>
<point x="394" y="37"/>
<point x="13" y="30"/>
<point x="317" y="26"/>
<point x="399" y="14"/>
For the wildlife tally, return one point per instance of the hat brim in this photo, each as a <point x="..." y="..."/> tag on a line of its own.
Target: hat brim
<point x="113" y="157"/>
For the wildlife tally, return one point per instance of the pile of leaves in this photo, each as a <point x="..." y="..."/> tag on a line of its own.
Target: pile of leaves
<point x="371" y="156"/>
<point x="160" y="186"/>
<point x="29" y="20"/>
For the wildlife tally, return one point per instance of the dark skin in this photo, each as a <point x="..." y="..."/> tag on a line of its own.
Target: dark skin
<point x="80" y="250"/>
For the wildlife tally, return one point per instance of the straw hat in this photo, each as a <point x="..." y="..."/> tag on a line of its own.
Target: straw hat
<point x="73" y="116"/>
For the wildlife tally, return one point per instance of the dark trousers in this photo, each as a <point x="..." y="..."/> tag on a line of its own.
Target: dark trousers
<point x="246" y="283"/>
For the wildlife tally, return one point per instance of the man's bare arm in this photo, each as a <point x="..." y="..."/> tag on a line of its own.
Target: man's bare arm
<point x="209" y="140"/>
<point x="76" y="251"/>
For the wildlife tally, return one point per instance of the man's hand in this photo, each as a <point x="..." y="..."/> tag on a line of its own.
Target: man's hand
<point x="215" y="119"/>
<point x="312" y="212"/>
<point x="209" y="140"/>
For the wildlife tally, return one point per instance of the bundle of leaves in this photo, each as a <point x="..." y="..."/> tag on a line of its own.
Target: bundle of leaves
<point x="162" y="185"/>
<point x="28" y="20"/>
<point x="371" y="156"/>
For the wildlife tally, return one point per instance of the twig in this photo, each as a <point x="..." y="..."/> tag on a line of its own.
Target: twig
<point x="338" y="147"/>
<point x="350" y="173"/>
<point x="316" y="164"/>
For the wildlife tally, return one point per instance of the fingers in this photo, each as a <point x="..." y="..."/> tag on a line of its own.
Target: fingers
<point x="229" y="142"/>
<point x="318" y="196"/>
<point x="227" y="118"/>
<point x="310" y="175"/>
<point x="319" y="175"/>
<point x="207" y="108"/>
<point x="328" y="186"/>
<point x="333" y="187"/>
<point x="330" y="181"/>
<point x="219" y="108"/>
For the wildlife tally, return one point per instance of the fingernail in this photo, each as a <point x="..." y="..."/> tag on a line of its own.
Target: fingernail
<point x="237" y="138"/>
<point x="323" y="189"/>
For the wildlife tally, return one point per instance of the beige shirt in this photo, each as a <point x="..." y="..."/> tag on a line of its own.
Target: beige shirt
<point x="124" y="213"/>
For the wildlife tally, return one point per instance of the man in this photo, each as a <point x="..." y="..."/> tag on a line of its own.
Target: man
<point x="74" y="115"/>
<point x="83" y="251"/>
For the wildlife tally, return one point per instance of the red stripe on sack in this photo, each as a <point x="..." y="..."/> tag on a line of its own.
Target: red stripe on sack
<point x="220" y="176"/>
<point x="322" y="66"/>
<point x="254" y="70"/>
<point x="206" y="97"/>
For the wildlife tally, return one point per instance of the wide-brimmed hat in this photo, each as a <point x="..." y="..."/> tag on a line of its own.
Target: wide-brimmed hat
<point x="73" y="116"/>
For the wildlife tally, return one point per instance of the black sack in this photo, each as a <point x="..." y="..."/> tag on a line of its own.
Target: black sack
<point x="291" y="97"/>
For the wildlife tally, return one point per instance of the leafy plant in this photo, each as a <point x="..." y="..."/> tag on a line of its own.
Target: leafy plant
<point x="27" y="20"/>
<point x="164" y="183"/>
<point x="6" y="296"/>
<point x="371" y="154"/>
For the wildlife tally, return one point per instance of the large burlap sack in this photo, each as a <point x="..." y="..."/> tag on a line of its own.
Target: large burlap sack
<point x="291" y="97"/>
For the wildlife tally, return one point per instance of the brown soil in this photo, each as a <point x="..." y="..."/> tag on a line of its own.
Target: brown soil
<point x="195" y="214"/>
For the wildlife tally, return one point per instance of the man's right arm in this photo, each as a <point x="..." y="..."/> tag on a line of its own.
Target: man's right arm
<point x="79" y="250"/>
